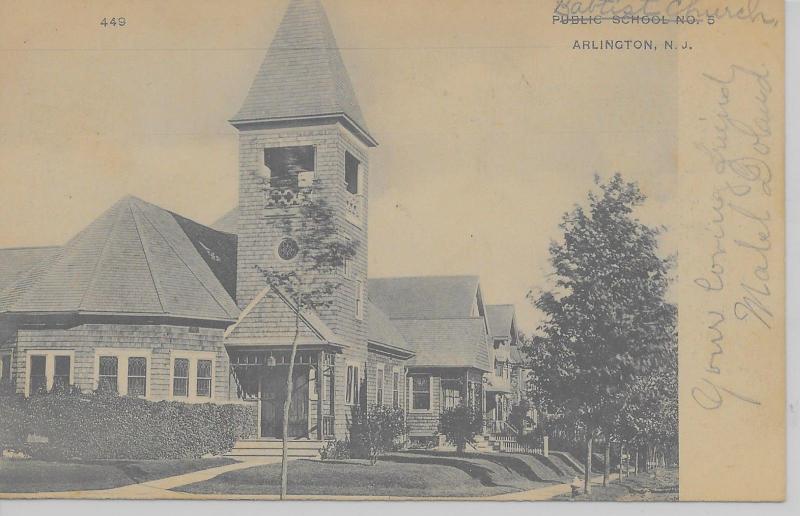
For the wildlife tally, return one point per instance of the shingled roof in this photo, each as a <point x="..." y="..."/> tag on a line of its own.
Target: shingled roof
<point x="382" y="331"/>
<point x="502" y="323"/>
<point x="135" y="259"/>
<point x="15" y="262"/>
<point x="303" y="75"/>
<point x="270" y="320"/>
<point x="447" y="342"/>
<point x="425" y="297"/>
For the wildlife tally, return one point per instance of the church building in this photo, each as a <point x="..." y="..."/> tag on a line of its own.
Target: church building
<point x="144" y="302"/>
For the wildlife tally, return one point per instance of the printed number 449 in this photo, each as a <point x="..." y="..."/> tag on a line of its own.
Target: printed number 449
<point x="114" y="22"/>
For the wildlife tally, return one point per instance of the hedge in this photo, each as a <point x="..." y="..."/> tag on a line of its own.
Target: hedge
<point x="93" y="426"/>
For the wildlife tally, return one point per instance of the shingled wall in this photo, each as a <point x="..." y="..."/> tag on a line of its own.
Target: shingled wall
<point x="261" y="230"/>
<point x="159" y="340"/>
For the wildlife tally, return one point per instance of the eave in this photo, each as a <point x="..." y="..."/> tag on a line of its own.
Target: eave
<point x="267" y="122"/>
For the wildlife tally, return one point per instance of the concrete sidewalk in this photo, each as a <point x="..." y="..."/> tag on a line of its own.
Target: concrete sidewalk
<point x="161" y="489"/>
<point x="154" y="489"/>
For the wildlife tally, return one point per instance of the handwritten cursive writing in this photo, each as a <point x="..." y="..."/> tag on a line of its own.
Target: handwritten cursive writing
<point x="741" y="10"/>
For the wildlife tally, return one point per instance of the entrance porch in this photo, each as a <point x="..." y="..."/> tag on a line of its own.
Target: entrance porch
<point x="260" y="376"/>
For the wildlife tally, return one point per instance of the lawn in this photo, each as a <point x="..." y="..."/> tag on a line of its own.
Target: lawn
<point x="421" y="474"/>
<point x="658" y="486"/>
<point x="30" y="476"/>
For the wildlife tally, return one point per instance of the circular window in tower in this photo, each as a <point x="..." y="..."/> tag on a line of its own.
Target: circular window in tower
<point x="288" y="249"/>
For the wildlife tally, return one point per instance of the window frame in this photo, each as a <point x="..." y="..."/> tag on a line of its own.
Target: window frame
<point x="380" y="383"/>
<point x="128" y="375"/>
<point x="447" y="385"/>
<point x="50" y="365"/>
<point x="397" y="381"/>
<point x="411" y="407"/>
<point x="209" y="378"/>
<point x="193" y="357"/>
<point x="288" y="145"/>
<point x="122" y="355"/>
<point x="352" y="384"/>
<point x="357" y="174"/>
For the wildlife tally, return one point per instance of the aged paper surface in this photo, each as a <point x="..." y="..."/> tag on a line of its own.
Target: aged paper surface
<point x="492" y="120"/>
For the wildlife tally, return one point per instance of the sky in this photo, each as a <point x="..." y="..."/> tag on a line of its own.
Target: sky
<point x="490" y="125"/>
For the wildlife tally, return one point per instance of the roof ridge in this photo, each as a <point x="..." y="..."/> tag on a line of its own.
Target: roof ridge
<point x="191" y="270"/>
<point x="109" y="235"/>
<point x="147" y="258"/>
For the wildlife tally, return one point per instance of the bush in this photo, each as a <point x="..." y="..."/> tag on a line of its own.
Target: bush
<point x="94" y="426"/>
<point x="460" y="425"/>
<point x="375" y="431"/>
<point x="335" y="450"/>
<point x="530" y="439"/>
<point x="519" y="418"/>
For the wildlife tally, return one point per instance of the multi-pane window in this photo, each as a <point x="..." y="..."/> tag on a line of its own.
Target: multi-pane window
<point x="498" y="368"/>
<point x="351" y="395"/>
<point x="204" y="378"/>
<point x="451" y="391"/>
<point x="61" y="370"/>
<point x="395" y="389"/>
<point x="421" y="392"/>
<point x="108" y="375"/>
<point x="38" y="374"/>
<point x="180" y="377"/>
<point x="379" y="379"/>
<point x="137" y="376"/>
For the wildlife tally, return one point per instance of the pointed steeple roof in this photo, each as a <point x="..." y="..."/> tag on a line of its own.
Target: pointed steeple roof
<point x="135" y="259"/>
<point x="303" y="75"/>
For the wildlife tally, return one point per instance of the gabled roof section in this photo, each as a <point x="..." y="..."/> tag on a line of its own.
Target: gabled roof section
<point x="135" y="259"/>
<point x="447" y="342"/>
<point x="228" y="223"/>
<point x="427" y="297"/>
<point x="271" y="320"/>
<point x="303" y="75"/>
<point x="383" y="332"/>
<point x="502" y="321"/>
<point x="217" y="248"/>
<point x="16" y="262"/>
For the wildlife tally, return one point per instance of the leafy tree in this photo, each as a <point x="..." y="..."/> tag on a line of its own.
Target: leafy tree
<point x="460" y="425"/>
<point x="605" y="313"/>
<point x="310" y="282"/>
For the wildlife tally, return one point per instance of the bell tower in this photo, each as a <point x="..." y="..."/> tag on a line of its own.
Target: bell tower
<point x="302" y="136"/>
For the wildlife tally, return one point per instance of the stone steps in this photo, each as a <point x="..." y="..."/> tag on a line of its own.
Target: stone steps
<point x="274" y="448"/>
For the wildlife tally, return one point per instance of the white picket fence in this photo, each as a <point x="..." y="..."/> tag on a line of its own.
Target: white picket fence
<point x="509" y="444"/>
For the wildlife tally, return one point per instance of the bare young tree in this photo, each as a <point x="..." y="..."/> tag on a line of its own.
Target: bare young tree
<point x="310" y="284"/>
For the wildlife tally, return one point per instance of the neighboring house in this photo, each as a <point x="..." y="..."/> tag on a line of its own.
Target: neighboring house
<point x="443" y="318"/>
<point x="509" y="363"/>
<point x="144" y="302"/>
<point x="500" y="394"/>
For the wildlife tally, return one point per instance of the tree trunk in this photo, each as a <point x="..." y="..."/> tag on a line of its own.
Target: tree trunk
<point x="286" y="406"/>
<point x="606" y="462"/>
<point x="621" y="451"/>
<point x="587" y="474"/>
<point x="636" y="462"/>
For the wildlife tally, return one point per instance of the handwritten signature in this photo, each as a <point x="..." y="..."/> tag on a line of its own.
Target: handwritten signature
<point x="742" y="10"/>
<point x="738" y="153"/>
